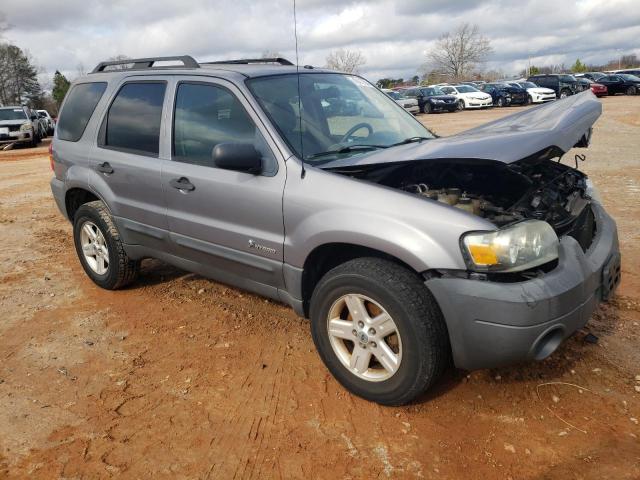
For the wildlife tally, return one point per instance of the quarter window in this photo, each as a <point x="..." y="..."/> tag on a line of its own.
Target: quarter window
<point x="133" y="121"/>
<point x="78" y="109"/>
<point x="207" y="115"/>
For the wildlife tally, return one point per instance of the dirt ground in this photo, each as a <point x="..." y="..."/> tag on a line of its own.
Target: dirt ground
<point x="181" y="377"/>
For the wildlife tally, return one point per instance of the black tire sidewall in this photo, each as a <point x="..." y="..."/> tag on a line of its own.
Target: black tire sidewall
<point x="86" y="213"/>
<point x="411" y="365"/>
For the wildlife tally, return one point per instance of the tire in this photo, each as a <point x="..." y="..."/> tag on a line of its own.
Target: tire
<point x="461" y="104"/>
<point x="422" y="341"/>
<point x="120" y="269"/>
<point x="631" y="91"/>
<point x="529" y="100"/>
<point x="34" y="140"/>
<point x="427" y="108"/>
<point x="563" y="94"/>
<point x="500" y="102"/>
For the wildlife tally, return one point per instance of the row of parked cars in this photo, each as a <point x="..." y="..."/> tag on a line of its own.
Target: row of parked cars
<point x="23" y="125"/>
<point x="542" y="88"/>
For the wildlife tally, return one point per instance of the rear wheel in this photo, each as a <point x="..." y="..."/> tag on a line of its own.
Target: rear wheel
<point x="100" y="248"/>
<point x="379" y="331"/>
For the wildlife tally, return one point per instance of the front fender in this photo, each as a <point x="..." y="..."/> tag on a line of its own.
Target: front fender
<point x="325" y="207"/>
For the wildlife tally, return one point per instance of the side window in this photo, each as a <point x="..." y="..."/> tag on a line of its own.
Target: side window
<point x="78" y="108"/>
<point x="133" y="120"/>
<point x="207" y="115"/>
<point x="447" y="90"/>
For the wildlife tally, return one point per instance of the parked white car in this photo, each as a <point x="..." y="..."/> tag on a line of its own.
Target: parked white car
<point x="44" y="115"/>
<point x="409" y="104"/>
<point x="536" y="94"/>
<point x="468" y="96"/>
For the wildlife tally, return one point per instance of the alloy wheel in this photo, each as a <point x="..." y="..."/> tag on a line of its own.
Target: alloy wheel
<point x="94" y="248"/>
<point x="364" y="337"/>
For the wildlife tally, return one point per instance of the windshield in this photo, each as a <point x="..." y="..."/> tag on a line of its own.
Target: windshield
<point x="395" y="95"/>
<point x="466" y="89"/>
<point x="338" y="112"/>
<point x="12" y="114"/>
<point x="528" y="85"/>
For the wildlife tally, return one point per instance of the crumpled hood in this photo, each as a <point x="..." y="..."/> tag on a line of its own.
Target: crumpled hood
<point x="562" y="124"/>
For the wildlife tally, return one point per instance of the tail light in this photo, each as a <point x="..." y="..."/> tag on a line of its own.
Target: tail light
<point x="51" y="155"/>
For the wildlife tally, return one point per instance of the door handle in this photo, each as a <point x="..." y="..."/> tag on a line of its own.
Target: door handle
<point x="183" y="184"/>
<point x="105" y="168"/>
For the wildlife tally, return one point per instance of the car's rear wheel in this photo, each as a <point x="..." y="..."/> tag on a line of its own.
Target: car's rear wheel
<point x="379" y="331"/>
<point x="100" y="248"/>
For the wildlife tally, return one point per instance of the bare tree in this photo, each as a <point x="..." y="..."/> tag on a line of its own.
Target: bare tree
<point x="271" y="54"/>
<point x="457" y="54"/>
<point x="119" y="58"/>
<point x="348" y="61"/>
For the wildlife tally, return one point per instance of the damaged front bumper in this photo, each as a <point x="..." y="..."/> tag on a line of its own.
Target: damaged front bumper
<point x="493" y="324"/>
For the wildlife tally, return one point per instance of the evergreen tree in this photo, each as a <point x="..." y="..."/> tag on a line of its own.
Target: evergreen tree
<point x="18" y="77"/>
<point x="60" y="87"/>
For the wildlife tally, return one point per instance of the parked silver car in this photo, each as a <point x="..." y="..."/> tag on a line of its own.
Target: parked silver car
<point x="19" y="125"/>
<point x="409" y="104"/>
<point x="405" y="250"/>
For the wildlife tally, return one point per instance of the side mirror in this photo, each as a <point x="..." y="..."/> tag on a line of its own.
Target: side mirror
<point x="241" y="157"/>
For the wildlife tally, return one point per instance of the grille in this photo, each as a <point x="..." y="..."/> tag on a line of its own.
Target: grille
<point x="584" y="228"/>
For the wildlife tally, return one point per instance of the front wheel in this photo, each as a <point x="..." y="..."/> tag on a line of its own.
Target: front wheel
<point x="500" y="102"/>
<point x="100" y="248"/>
<point x="564" y="94"/>
<point x="631" y="91"/>
<point x="427" y="107"/>
<point x="460" y="104"/>
<point x="379" y="330"/>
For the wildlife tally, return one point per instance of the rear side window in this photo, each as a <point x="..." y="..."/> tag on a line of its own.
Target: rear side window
<point x="78" y="109"/>
<point x="133" y="121"/>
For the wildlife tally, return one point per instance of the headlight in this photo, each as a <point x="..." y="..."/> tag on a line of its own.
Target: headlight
<point x="25" y="127"/>
<point x="518" y="247"/>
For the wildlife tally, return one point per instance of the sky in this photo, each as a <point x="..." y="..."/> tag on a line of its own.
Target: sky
<point x="393" y="35"/>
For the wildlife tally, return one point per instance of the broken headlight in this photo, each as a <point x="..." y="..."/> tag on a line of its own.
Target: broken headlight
<point x="521" y="246"/>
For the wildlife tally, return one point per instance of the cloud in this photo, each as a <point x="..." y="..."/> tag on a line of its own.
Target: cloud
<point x="393" y="35"/>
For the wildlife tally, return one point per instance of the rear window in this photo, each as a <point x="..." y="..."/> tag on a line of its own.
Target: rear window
<point x="133" y="120"/>
<point x="78" y="109"/>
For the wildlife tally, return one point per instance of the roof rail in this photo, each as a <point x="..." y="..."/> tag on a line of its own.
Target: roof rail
<point x="144" y="63"/>
<point x="245" y="61"/>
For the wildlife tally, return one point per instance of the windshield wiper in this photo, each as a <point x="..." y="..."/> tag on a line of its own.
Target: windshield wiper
<point x="410" y="140"/>
<point x="347" y="149"/>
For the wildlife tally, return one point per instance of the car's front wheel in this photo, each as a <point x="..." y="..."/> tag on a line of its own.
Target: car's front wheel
<point x="100" y="248"/>
<point x="500" y="102"/>
<point x="427" y="108"/>
<point x="631" y="91"/>
<point x="461" y="104"/>
<point x="379" y="330"/>
<point x="564" y="94"/>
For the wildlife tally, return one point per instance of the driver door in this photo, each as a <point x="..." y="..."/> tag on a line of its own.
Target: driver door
<point x="229" y="222"/>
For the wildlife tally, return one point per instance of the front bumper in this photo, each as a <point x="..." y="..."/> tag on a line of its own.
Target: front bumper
<point x="493" y="324"/>
<point x="541" y="98"/>
<point x="473" y="103"/>
<point x="413" y="109"/>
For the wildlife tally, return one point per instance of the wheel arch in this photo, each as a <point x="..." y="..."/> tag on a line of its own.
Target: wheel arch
<point x="328" y="256"/>
<point x="75" y="197"/>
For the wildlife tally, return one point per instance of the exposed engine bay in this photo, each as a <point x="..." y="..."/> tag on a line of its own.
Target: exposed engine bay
<point x="541" y="189"/>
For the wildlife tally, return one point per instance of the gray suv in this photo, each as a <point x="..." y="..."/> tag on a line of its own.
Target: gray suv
<point x="407" y="251"/>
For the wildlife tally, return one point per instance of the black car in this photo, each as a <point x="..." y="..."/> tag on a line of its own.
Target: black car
<point x="432" y="99"/>
<point x="562" y="83"/>
<point x="621" y="83"/>
<point x="584" y="83"/>
<point x="595" y="76"/>
<point x="504" y="95"/>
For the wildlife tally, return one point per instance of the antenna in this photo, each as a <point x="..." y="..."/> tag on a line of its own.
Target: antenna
<point x="295" y="34"/>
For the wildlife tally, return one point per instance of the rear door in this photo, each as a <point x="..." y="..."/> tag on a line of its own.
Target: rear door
<point x="229" y="222"/>
<point x="127" y="161"/>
